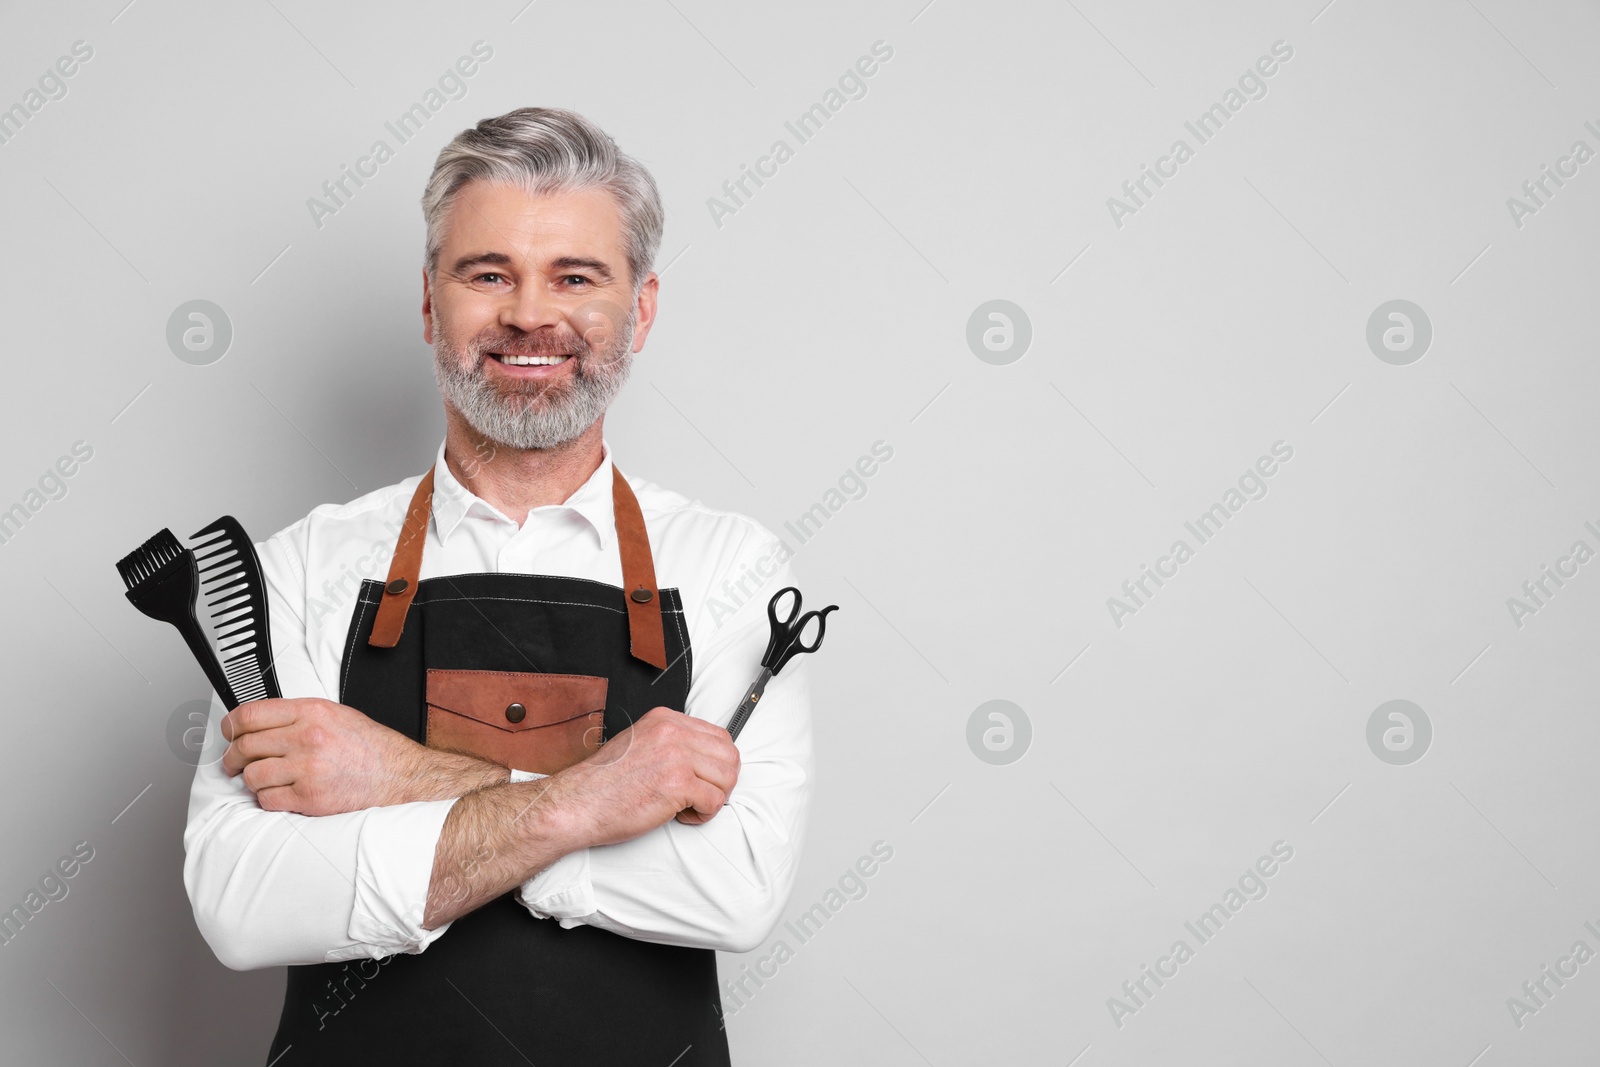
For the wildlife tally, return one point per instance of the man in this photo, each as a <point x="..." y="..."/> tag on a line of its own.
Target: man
<point x="427" y="828"/>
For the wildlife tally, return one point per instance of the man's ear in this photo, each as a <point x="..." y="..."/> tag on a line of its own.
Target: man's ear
<point x="427" y="310"/>
<point x="645" y="305"/>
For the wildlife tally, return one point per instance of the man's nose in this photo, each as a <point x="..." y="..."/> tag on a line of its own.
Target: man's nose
<point x="529" y="307"/>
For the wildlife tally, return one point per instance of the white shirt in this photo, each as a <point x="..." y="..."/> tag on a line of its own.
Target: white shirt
<point x="274" y="888"/>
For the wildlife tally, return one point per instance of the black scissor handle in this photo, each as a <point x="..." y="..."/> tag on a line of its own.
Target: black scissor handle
<point x="780" y="627"/>
<point x="786" y="642"/>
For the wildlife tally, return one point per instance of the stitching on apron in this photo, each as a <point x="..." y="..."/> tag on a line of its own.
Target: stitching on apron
<point x="524" y="600"/>
<point x="663" y="590"/>
<point x="683" y="643"/>
<point x="502" y="574"/>
<point x="349" y="652"/>
<point x="565" y="603"/>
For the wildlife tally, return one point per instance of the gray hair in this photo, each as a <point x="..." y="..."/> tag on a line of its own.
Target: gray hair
<point x="545" y="150"/>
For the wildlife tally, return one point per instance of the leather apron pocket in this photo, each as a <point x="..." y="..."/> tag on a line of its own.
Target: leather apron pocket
<point x="526" y="721"/>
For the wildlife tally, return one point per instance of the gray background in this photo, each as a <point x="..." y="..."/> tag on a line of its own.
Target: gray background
<point x="831" y="312"/>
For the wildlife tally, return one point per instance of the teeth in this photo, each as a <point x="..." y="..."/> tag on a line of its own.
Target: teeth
<point x="533" y="361"/>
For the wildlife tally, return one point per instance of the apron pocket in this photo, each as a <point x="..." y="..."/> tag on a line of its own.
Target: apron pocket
<point x="529" y="722"/>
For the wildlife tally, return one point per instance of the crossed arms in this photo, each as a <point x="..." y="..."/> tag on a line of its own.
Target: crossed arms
<point x="314" y="757"/>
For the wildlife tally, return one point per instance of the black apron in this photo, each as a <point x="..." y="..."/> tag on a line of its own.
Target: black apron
<point x="500" y="986"/>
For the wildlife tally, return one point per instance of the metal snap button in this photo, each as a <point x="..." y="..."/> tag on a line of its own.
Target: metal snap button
<point x="396" y="587"/>
<point x="516" y="713"/>
<point x="641" y="595"/>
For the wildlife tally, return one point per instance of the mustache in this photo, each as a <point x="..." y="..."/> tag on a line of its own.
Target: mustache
<point x="525" y="346"/>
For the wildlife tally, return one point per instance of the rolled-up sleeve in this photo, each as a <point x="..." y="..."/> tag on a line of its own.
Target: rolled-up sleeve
<point x="722" y="884"/>
<point x="276" y="888"/>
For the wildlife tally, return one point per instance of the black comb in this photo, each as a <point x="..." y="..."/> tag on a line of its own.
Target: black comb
<point x="164" y="581"/>
<point x="236" y="596"/>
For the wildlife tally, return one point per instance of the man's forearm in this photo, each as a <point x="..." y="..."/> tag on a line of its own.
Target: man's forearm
<point x="438" y="775"/>
<point x="493" y="840"/>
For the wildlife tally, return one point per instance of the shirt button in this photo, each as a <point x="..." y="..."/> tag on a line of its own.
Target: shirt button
<point x="516" y="713"/>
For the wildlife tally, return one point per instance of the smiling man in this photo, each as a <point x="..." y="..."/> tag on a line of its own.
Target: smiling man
<point x="496" y="817"/>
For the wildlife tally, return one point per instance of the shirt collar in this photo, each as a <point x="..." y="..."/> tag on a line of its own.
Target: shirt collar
<point x="592" y="500"/>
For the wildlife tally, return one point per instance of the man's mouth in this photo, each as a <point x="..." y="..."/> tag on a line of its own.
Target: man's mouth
<point x="513" y="360"/>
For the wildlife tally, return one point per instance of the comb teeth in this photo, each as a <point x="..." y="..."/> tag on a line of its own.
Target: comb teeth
<point x="248" y="683"/>
<point x="231" y="563"/>
<point x="224" y="583"/>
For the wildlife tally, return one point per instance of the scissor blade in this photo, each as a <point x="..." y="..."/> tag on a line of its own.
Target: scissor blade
<point x="747" y="706"/>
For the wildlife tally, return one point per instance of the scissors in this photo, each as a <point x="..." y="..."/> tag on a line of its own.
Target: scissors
<point x="784" y="645"/>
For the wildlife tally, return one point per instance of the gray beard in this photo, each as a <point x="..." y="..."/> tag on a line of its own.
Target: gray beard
<point x="535" y="416"/>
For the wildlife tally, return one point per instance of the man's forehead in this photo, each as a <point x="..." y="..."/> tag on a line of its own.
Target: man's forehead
<point x="498" y="218"/>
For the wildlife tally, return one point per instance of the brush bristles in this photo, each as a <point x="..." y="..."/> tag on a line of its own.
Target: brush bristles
<point x="149" y="558"/>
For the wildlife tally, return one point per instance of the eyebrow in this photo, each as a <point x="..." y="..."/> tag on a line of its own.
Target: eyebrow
<point x="500" y="259"/>
<point x="583" y="263"/>
<point x="484" y="259"/>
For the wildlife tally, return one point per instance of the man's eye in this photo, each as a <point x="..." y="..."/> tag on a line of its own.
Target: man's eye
<point x="577" y="278"/>
<point x="490" y="277"/>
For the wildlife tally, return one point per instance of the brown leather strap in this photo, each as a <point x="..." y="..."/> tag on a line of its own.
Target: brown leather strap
<point x="645" y="637"/>
<point x="401" y="584"/>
